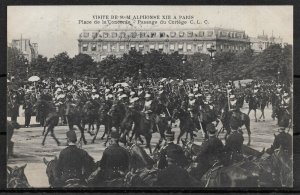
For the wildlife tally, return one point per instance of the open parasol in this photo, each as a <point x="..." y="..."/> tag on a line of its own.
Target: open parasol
<point x="34" y="78"/>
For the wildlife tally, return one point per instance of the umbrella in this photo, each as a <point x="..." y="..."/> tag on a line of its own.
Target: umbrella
<point x="122" y="84"/>
<point x="34" y="78"/>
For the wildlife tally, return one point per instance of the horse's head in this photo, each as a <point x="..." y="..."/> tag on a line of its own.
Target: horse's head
<point x="139" y="158"/>
<point x="17" y="178"/>
<point x="51" y="171"/>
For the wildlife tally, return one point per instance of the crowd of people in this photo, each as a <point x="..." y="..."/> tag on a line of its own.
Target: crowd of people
<point x="200" y="106"/>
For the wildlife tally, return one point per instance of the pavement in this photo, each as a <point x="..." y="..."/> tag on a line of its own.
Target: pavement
<point x="28" y="149"/>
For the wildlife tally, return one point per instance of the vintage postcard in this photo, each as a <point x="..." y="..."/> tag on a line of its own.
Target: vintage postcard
<point x="149" y="96"/>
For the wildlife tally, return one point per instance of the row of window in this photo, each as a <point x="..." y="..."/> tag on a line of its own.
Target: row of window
<point x="162" y="34"/>
<point x="171" y="47"/>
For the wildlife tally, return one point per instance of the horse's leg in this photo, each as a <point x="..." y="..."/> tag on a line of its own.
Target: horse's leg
<point x="53" y="135"/>
<point x="180" y="135"/>
<point x="255" y="115"/>
<point x="82" y="133"/>
<point x="247" y="124"/>
<point x="249" y="111"/>
<point x="44" y="130"/>
<point x="263" y="114"/>
<point x="97" y="130"/>
<point x="108" y="135"/>
<point x="47" y="131"/>
<point x="105" y="131"/>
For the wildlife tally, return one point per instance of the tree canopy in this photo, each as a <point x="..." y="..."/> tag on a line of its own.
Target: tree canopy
<point x="223" y="67"/>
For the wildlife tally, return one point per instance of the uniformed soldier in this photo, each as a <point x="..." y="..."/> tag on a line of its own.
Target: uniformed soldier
<point x="115" y="159"/>
<point x="74" y="164"/>
<point x="212" y="151"/>
<point x="28" y="107"/>
<point x="171" y="153"/>
<point x="283" y="139"/>
<point x="95" y="95"/>
<point x="234" y="142"/>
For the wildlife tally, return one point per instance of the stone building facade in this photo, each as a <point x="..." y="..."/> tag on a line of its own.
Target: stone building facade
<point x="100" y="43"/>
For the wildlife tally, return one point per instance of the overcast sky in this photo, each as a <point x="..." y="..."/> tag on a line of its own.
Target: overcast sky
<point x="56" y="28"/>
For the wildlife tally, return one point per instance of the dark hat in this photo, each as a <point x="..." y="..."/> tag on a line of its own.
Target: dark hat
<point x="114" y="134"/>
<point x="211" y="128"/>
<point x="283" y="123"/>
<point x="170" y="135"/>
<point x="71" y="135"/>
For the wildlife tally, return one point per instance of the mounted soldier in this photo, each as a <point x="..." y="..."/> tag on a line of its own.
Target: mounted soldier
<point x="211" y="152"/>
<point x="115" y="159"/>
<point x="173" y="173"/>
<point x="234" y="143"/>
<point x="171" y="152"/>
<point x="282" y="139"/>
<point x="148" y="110"/>
<point x="59" y="101"/>
<point x="74" y="164"/>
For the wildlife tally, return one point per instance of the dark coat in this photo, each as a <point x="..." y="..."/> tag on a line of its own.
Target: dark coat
<point x="234" y="142"/>
<point x="173" y="176"/>
<point x="174" y="152"/>
<point x="284" y="140"/>
<point x="211" y="150"/>
<point x="71" y="163"/>
<point x="115" y="157"/>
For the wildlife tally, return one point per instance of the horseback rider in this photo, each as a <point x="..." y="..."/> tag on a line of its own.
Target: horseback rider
<point x="148" y="110"/>
<point x="115" y="159"/>
<point x="174" y="175"/>
<point x="171" y="153"/>
<point x="74" y="164"/>
<point x="234" y="142"/>
<point x="283" y="138"/>
<point x="212" y="151"/>
<point x="194" y="109"/>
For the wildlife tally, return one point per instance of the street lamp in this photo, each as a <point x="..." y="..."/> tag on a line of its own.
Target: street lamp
<point x="27" y="68"/>
<point x="212" y="51"/>
<point x="183" y="59"/>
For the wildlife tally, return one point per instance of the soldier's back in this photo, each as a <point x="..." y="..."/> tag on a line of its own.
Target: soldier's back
<point x="173" y="176"/>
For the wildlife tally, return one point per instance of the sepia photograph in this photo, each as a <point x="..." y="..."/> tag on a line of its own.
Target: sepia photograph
<point x="149" y="96"/>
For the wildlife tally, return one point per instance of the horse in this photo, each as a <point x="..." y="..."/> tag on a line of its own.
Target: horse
<point x="53" y="178"/>
<point x="16" y="177"/>
<point x="116" y="114"/>
<point x="51" y="118"/>
<point x="103" y="119"/>
<point x="186" y="124"/>
<point x="141" y="126"/>
<point x="263" y="100"/>
<point x="242" y="118"/>
<point x="142" y="173"/>
<point x="90" y="115"/>
<point x="283" y="167"/>
<point x="11" y="126"/>
<point x="253" y="102"/>
<point x="74" y="117"/>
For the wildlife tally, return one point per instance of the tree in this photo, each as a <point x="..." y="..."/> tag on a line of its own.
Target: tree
<point x="16" y="63"/>
<point x="61" y="65"/>
<point x="82" y="65"/>
<point x="40" y="66"/>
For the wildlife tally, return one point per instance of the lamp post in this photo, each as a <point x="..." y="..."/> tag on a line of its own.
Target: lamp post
<point x="27" y="68"/>
<point x="212" y="51"/>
